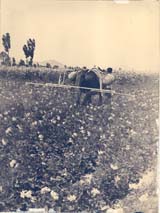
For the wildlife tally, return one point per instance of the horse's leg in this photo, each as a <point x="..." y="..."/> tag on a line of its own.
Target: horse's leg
<point x="87" y="99"/>
<point x="78" y="97"/>
<point x="100" y="98"/>
<point x="109" y="98"/>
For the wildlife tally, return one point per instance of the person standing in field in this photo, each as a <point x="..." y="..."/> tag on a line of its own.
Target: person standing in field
<point x="107" y="82"/>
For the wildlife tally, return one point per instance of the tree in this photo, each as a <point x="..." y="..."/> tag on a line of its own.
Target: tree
<point x="55" y="67"/>
<point x="29" y="49"/>
<point x="48" y="65"/>
<point x="21" y="63"/>
<point x="6" y="41"/>
<point x="5" y="59"/>
<point x="13" y="61"/>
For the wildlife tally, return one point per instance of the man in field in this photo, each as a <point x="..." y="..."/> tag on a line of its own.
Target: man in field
<point x="93" y="78"/>
<point x="108" y="80"/>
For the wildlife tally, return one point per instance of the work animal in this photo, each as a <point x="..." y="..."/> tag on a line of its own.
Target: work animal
<point x="95" y="79"/>
<point x="88" y="79"/>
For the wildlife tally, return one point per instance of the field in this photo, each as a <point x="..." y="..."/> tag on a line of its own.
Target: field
<point x="79" y="159"/>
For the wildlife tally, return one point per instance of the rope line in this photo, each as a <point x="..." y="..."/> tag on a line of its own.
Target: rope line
<point x="76" y="87"/>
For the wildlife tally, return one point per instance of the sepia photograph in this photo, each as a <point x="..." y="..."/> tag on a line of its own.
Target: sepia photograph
<point x="79" y="106"/>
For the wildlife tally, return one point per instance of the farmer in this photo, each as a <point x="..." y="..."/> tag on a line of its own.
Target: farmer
<point x="85" y="69"/>
<point x="107" y="82"/>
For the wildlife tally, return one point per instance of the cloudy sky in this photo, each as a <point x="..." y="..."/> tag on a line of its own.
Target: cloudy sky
<point x="85" y="33"/>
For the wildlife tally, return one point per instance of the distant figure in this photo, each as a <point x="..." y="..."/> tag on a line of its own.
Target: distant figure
<point x="107" y="79"/>
<point x="107" y="82"/>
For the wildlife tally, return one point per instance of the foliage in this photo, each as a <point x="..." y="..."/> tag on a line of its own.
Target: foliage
<point x="55" y="67"/>
<point x="5" y="59"/>
<point x="21" y="63"/>
<point x="6" y="42"/>
<point x="29" y="49"/>
<point x="48" y="65"/>
<point x="21" y="72"/>
<point x="74" y="159"/>
<point x="14" y="62"/>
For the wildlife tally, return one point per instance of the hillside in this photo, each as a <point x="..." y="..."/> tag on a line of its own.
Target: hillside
<point x="52" y="63"/>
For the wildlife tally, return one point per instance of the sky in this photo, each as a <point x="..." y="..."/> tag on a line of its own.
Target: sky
<point x="86" y="33"/>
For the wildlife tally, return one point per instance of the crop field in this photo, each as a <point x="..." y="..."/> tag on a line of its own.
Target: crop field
<point x="93" y="158"/>
<point x="23" y="73"/>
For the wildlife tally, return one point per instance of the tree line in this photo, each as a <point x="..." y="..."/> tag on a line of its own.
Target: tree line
<point x="28" y="50"/>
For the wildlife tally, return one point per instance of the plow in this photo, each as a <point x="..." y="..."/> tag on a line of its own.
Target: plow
<point x="67" y="86"/>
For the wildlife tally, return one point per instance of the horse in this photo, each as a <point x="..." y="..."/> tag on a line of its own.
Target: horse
<point x="95" y="78"/>
<point x="89" y="79"/>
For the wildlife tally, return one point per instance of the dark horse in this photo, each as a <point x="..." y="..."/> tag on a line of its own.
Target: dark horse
<point x="89" y="79"/>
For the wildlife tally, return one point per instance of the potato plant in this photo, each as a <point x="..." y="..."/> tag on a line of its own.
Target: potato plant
<point x="69" y="158"/>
